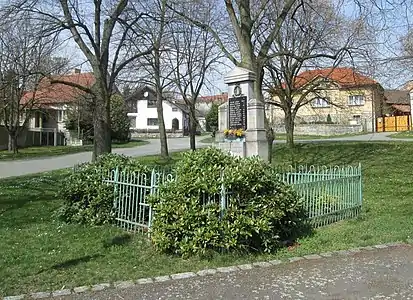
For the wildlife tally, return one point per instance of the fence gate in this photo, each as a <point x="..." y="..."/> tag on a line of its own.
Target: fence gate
<point x="393" y="123"/>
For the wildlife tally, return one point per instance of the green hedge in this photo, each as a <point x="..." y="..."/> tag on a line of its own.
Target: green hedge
<point x="262" y="212"/>
<point x="86" y="198"/>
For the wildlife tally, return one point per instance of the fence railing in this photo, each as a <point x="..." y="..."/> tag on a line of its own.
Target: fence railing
<point x="329" y="194"/>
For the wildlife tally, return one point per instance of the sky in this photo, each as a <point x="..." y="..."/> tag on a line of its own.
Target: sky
<point x="390" y="23"/>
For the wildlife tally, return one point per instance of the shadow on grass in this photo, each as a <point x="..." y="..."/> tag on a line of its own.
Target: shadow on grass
<point x="17" y="192"/>
<point x="74" y="262"/>
<point x="120" y="240"/>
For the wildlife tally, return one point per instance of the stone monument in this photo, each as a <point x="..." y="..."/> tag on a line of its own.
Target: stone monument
<point x="244" y="116"/>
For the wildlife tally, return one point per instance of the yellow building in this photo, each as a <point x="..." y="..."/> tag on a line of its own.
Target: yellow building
<point x="339" y="96"/>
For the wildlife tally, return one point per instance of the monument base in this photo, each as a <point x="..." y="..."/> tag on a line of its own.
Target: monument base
<point x="236" y="148"/>
<point x="254" y="144"/>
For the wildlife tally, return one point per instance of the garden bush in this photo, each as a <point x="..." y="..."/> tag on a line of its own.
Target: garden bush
<point x="86" y="198"/>
<point x="261" y="213"/>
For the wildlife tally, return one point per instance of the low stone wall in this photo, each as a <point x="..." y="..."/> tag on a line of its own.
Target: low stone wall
<point x="138" y="135"/>
<point x="322" y="129"/>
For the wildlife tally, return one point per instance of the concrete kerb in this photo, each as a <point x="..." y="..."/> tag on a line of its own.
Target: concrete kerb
<point x="206" y="272"/>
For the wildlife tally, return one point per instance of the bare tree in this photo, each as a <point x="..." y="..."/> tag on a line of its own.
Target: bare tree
<point x="25" y="59"/>
<point x="315" y="37"/>
<point x="153" y="69"/>
<point x="100" y="29"/>
<point x="193" y="57"/>
<point x="255" y="26"/>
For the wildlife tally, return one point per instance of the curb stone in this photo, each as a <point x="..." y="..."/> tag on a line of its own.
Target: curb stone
<point x="100" y="287"/>
<point x="18" y="297"/>
<point x="245" y="267"/>
<point x="162" y="278"/>
<point x="294" y="259"/>
<point x="59" y="293"/>
<point x="40" y="295"/>
<point x="123" y="284"/>
<point x="262" y="264"/>
<point x="312" y="256"/>
<point x="144" y="281"/>
<point x="227" y="269"/>
<point x="81" y="289"/>
<point x="183" y="275"/>
<point x="205" y="272"/>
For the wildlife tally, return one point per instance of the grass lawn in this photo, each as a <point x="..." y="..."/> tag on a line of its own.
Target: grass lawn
<point x="402" y="135"/>
<point x="210" y="140"/>
<point x="36" y="152"/>
<point x="38" y="253"/>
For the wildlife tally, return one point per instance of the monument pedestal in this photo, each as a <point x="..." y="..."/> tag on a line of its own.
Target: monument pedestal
<point x="243" y="111"/>
<point x="236" y="148"/>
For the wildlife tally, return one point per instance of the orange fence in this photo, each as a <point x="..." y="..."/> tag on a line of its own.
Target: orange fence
<point x="394" y="123"/>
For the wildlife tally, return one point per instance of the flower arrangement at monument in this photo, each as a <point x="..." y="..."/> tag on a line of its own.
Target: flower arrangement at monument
<point x="234" y="134"/>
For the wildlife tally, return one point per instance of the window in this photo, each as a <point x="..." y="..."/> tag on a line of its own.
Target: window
<point x="22" y="117"/>
<point x="357" y="118"/>
<point x="151" y="103"/>
<point x="174" y="108"/>
<point x="132" y="106"/>
<point x="356" y="100"/>
<point x="152" y="122"/>
<point x="37" y="117"/>
<point x="132" y="121"/>
<point x="60" y="115"/>
<point x="320" y="102"/>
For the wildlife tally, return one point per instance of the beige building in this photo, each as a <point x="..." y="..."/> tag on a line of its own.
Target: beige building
<point x="340" y="96"/>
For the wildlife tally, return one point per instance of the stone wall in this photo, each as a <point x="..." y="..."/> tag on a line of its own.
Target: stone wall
<point x="146" y="135"/>
<point x="322" y="129"/>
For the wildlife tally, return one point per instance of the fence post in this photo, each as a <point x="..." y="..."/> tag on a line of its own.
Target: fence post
<point x="223" y="202"/>
<point x="115" y="183"/>
<point x="360" y="186"/>
<point x="152" y="191"/>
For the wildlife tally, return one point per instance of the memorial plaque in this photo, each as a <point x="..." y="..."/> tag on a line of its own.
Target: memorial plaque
<point x="237" y="113"/>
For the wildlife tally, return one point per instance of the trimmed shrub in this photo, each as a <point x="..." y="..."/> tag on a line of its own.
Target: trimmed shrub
<point x="262" y="211"/>
<point x="86" y="198"/>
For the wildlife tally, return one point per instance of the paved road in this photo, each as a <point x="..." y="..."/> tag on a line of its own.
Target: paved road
<point x="377" y="274"/>
<point x="370" y="137"/>
<point x="24" y="167"/>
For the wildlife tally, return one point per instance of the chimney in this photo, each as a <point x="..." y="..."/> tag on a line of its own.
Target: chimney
<point x="76" y="71"/>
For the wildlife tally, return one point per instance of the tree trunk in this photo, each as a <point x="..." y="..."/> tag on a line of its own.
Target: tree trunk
<point x="12" y="144"/>
<point x="269" y="132"/>
<point x="161" y="122"/>
<point x="102" y="141"/>
<point x="289" y="128"/>
<point x="192" y="129"/>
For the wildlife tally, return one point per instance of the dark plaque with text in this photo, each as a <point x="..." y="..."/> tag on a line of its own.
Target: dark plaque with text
<point x="237" y="113"/>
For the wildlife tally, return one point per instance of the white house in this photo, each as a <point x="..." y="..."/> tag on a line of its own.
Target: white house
<point x="144" y="116"/>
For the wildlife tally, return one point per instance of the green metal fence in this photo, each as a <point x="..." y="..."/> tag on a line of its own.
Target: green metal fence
<point x="329" y="194"/>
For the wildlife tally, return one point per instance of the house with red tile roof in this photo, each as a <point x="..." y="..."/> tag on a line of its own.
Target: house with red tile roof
<point x="204" y="103"/>
<point x="342" y="96"/>
<point x="50" y="101"/>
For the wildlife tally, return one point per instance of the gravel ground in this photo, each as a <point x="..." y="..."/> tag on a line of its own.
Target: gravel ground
<point x="376" y="274"/>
